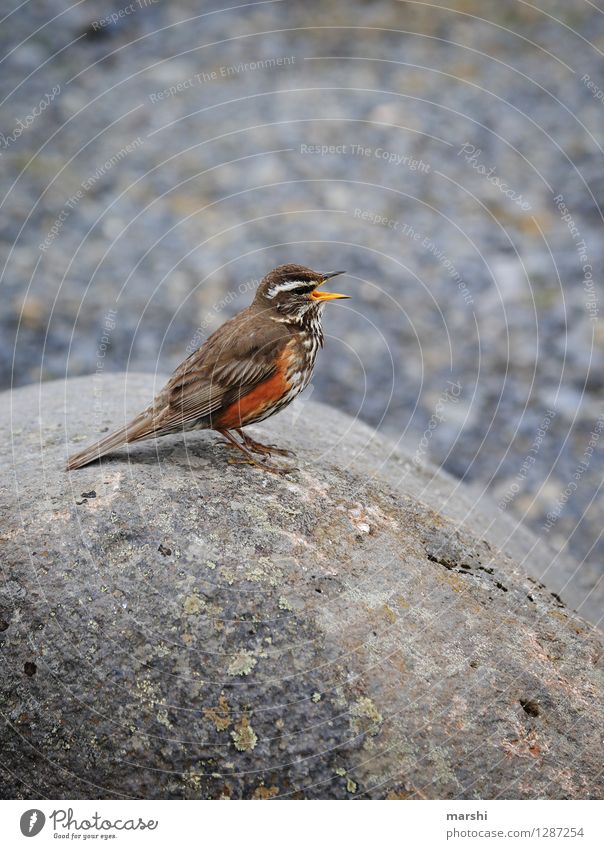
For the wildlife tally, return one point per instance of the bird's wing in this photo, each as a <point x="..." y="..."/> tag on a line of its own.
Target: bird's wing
<point x="202" y="391"/>
<point x="227" y="366"/>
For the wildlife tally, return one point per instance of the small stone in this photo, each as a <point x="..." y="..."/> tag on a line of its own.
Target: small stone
<point x="530" y="706"/>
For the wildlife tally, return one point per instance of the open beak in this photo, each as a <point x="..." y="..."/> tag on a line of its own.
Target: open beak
<point x="327" y="296"/>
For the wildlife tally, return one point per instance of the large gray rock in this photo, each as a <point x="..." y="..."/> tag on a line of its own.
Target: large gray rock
<point x="174" y="626"/>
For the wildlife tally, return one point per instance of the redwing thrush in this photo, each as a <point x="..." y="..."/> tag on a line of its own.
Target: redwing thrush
<point x="253" y="366"/>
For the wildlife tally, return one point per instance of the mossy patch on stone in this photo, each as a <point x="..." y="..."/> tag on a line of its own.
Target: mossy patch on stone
<point x="244" y="736"/>
<point x="242" y="663"/>
<point x="193" y="604"/>
<point x="367" y="716"/>
<point x="220" y="715"/>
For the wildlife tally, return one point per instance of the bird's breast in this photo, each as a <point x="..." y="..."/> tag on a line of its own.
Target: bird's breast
<point x="301" y="360"/>
<point x="293" y="370"/>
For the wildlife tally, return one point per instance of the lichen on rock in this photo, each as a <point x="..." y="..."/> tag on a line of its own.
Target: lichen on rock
<point x="244" y="736"/>
<point x="280" y="649"/>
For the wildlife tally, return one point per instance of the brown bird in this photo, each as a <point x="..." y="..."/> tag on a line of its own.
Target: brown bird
<point x="251" y="367"/>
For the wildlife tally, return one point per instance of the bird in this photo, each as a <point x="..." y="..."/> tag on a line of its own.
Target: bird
<point x="250" y="368"/>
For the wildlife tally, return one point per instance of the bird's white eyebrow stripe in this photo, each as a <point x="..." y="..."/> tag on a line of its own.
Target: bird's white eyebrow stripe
<point x="276" y="288"/>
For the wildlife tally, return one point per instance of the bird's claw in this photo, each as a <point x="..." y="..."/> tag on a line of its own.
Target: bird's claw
<point x="249" y="445"/>
<point x="259" y="448"/>
<point x="283" y="452"/>
<point x="267" y="467"/>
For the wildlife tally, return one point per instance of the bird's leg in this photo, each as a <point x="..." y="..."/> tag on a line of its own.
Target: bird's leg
<point x="259" y="448"/>
<point x="269" y="467"/>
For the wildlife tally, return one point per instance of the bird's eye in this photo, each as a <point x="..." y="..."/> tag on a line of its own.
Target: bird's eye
<point x="300" y="290"/>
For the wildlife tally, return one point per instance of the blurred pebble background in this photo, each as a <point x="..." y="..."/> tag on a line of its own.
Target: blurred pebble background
<point x="158" y="158"/>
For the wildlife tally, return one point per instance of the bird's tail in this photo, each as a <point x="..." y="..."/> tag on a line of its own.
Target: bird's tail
<point x="137" y="429"/>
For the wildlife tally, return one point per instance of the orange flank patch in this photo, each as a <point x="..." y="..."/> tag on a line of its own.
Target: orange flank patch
<point x="249" y="407"/>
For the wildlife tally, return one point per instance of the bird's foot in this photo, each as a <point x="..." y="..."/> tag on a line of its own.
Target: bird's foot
<point x="267" y="467"/>
<point x="260" y="448"/>
<point x="249" y="458"/>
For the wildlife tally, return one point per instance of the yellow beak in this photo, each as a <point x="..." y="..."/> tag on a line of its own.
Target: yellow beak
<point x="327" y="296"/>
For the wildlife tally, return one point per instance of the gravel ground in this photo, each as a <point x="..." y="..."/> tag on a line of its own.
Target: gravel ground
<point x="155" y="167"/>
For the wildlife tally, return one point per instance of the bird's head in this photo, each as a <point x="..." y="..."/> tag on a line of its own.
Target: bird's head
<point x="293" y="291"/>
